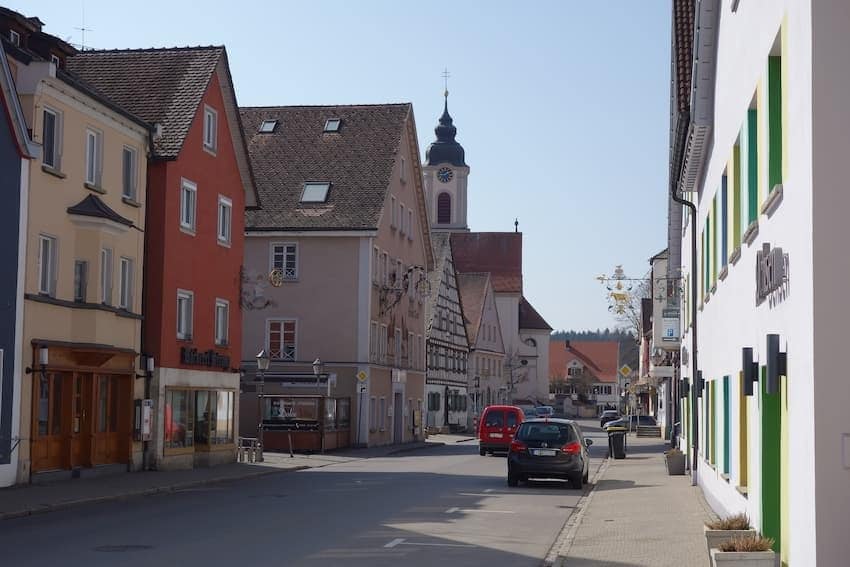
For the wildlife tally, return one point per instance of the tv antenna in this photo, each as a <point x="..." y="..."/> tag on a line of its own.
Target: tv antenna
<point x="83" y="27"/>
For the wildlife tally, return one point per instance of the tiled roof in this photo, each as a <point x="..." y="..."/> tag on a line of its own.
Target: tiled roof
<point x="499" y="253"/>
<point x="473" y="293"/>
<point x="529" y="318"/>
<point x="161" y="86"/>
<point x="683" y="41"/>
<point x="93" y="206"/>
<point x="601" y="358"/>
<point x="357" y="161"/>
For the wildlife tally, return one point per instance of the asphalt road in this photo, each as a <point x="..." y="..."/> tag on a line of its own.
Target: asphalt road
<point x="445" y="504"/>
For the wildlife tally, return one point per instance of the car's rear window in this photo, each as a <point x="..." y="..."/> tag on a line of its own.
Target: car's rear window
<point x="512" y="419"/>
<point x="494" y="419"/>
<point x="552" y="432"/>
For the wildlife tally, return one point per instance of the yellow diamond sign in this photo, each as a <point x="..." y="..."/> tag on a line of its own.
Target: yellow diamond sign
<point x="362" y="376"/>
<point x="626" y="370"/>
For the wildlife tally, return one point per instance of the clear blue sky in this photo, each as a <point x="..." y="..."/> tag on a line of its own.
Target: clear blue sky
<point x="562" y="106"/>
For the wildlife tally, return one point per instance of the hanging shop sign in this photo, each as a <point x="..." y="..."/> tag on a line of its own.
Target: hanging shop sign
<point x="670" y="325"/>
<point x="209" y="358"/>
<point x="771" y="271"/>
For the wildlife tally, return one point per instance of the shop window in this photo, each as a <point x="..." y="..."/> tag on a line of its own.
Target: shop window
<point x="343" y="413"/>
<point x="50" y="404"/>
<point x="382" y="414"/>
<point x="373" y="415"/>
<point x="178" y="419"/>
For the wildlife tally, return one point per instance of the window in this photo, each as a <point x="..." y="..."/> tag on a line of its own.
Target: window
<point x="222" y="321"/>
<point x="411" y="350"/>
<point x="393" y="213"/>
<point x="47" y="259"/>
<point x="268" y="126"/>
<point x="402" y="219"/>
<point x="376" y="265"/>
<point x="332" y="124"/>
<point x="281" y="339"/>
<point x="106" y="276"/>
<point x="125" y="293"/>
<point x="385" y="268"/>
<point x="128" y="160"/>
<point x="50" y="139"/>
<point x="743" y="433"/>
<point x="188" y="205"/>
<point x="752" y="166"/>
<point x="179" y="432"/>
<point x="410" y="224"/>
<point x="55" y="60"/>
<point x="382" y="345"/>
<point x="714" y="243"/>
<point x="419" y="352"/>
<point x="210" y="129"/>
<point x="15" y="37"/>
<point x="81" y="269"/>
<point x="444" y="208"/>
<point x="225" y="209"/>
<point x="94" y="157"/>
<point x="213" y="417"/>
<point x="724" y="223"/>
<point x="397" y="348"/>
<point x="398" y="274"/>
<point x="373" y="341"/>
<point x="403" y="176"/>
<point x="726" y="436"/>
<point x="774" y="122"/>
<point x="382" y="414"/>
<point x="315" y="192"/>
<point x="285" y="259"/>
<point x="184" y="314"/>
<point x="735" y="204"/>
<point x="373" y="415"/>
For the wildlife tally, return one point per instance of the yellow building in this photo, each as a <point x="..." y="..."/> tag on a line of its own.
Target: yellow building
<point x="84" y="257"/>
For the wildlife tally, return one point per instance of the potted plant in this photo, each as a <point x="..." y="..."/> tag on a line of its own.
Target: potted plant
<point x="721" y="531"/>
<point x="748" y="551"/>
<point x="675" y="460"/>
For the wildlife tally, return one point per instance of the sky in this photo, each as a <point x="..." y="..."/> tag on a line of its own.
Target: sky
<point x="562" y="106"/>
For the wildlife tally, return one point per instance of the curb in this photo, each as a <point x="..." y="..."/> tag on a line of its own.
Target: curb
<point x="558" y="552"/>
<point x="425" y="445"/>
<point x="44" y="508"/>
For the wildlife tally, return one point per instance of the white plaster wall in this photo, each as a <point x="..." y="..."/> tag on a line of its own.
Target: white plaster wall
<point x="731" y="320"/>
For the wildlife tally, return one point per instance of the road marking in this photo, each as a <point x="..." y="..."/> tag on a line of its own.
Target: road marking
<point x="488" y="490"/>
<point x="452" y="510"/>
<point x="395" y="542"/>
<point x="472" y="510"/>
<point x="401" y="541"/>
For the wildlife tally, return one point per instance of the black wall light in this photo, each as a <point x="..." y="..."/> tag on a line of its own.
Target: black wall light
<point x="685" y="390"/>
<point x="750" y="370"/>
<point x="700" y="384"/>
<point x="777" y="365"/>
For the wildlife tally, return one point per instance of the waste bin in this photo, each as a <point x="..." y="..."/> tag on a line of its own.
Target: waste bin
<point x="617" y="442"/>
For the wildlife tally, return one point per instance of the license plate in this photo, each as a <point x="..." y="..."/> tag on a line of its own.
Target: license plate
<point x="496" y="435"/>
<point x="543" y="452"/>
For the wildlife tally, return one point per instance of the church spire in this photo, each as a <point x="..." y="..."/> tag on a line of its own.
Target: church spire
<point x="445" y="149"/>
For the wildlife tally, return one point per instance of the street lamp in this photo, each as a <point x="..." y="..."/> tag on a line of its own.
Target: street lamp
<point x="149" y="368"/>
<point x="263" y="362"/>
<point x="317" y="370"/>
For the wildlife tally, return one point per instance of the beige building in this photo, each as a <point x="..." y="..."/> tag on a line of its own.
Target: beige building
<point x="82" y="322"/>
<point x="336" y="262"/>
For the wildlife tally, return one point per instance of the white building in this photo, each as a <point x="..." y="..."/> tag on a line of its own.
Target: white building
<point x="759" y="142"/>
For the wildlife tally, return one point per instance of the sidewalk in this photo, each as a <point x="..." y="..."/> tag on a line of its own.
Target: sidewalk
<point x="638" y="515"/>
<point x="25" y="500"/>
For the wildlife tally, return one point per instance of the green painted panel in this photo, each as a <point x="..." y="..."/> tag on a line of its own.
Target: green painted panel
<point x="771" y="465"/>
<point x="726" y="436"/>
<point x="736" y="210"/>
<point x="752" y="166"/>
<point x="774" y="121"/>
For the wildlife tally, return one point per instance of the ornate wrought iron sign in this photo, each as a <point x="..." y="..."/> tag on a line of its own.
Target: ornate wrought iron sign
<point x="771" y="271"/>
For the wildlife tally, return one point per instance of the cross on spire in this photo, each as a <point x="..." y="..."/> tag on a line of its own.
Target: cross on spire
<point x="446" y="76"/>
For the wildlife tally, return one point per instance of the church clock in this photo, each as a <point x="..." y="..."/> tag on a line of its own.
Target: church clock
<point x="445" y="174"/>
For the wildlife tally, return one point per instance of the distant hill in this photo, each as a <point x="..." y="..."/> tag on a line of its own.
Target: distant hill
<point x="628" y="345"/>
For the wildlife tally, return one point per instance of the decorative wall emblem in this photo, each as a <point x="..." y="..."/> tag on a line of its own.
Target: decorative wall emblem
<point x="771" y="274"/>
<point x="254" y="286"/>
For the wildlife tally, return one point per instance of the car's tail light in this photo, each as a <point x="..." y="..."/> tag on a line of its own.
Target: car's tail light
<point x="518" y="446"/>
<point x="573" y="448"/>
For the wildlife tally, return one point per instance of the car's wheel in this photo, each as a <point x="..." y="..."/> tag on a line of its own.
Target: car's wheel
<point x="513" y="480"/>
<point x="482" y="451"/>
<point x="577" y="481"/>
<point x="586" y="476"/>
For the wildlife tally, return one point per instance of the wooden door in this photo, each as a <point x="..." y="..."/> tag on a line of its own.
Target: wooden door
<point x="49" y="428"/>
<point x="81" y="420"/>
<point x="111" y="421"/>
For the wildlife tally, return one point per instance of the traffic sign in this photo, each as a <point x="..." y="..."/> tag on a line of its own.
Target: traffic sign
<point x="361" y="376"/>
<point x="626" y="370"/>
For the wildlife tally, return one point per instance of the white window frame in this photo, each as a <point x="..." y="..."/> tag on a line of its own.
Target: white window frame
<point x="382" y="345"/>
<point x="189" y="297"/>
<point x="222" y="328"/>
<point x="94" y="157"/>
<point x="411" y="349"/>
<point x="331" y="127"/>
<point x="283" y="356"/>
<point x="106" y="275"/>
<point x="403" y="175"/>
<point x="289" y="274"/>
<point x="373" y="414"/>
<point x="55" y="60"/>
<point x="210" y="129"/>
<point x="81" y="280"/>
<point x="268" y="126"/>
<point x="57" y="138"/>
<point x="129" y="192"/>
<point x="125" y="284"/>
<point x="382" y="414"/>
<point x="310" y="187"/>
<point x="188" y="218"/>
<point x="401" y="224"/>
<point x="225" y="220"/>
<point x="376" y="265"/>
<point x="385" y="268"/>
<point x="397" y="348"/>
<point x="47" y="273"/>
<point x="373" y="341"/>
<point x="393" y="213"/>
<point x="15" y="38"/>
<point x="410" y="224"/>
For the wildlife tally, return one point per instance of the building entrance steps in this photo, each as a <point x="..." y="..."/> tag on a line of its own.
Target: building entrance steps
<point x="636" y="515"/>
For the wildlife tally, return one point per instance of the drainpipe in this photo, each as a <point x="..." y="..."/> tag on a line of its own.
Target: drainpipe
<point x="694" y="403"/>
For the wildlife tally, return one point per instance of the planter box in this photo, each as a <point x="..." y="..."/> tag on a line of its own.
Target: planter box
<point x="742" y="558"/>
<point x="675" y="463"/>
<point x="714" y="538"/>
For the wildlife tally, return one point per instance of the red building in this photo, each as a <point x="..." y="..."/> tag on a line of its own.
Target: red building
<point x="199" y="183"/>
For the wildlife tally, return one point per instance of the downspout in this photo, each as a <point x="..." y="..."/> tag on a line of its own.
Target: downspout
<point x="694" y="403"/>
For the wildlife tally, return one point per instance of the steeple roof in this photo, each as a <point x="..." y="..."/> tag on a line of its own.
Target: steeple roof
<point x="445" y="149"/>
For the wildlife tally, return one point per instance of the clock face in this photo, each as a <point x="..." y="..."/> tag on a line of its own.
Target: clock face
<point x="444" y="174"/>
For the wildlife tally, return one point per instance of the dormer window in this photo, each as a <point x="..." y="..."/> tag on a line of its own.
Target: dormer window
<point x="332" y="124"/>
<point x="268" y="126"/>
<point x="15" y="37"/>
<point x="54" y="60"/>
<point x="315" y="192"/>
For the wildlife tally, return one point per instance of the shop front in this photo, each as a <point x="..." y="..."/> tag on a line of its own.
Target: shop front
<point x="301" y="422"/>
<point x="82" y="407"/>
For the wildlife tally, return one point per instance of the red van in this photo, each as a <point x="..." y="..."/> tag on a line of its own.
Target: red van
<point x="497" y="427"/>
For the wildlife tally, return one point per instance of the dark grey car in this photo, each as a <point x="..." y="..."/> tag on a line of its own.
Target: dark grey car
<point x="549" y="448"/>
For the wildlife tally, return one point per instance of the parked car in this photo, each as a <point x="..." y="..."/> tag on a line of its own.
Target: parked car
<point x="549" y="448"/>
<point x="497" y="427"/>
<point x="608" y="415"/>
<point x="544" y="411"/>
<point x="631" y="421"/>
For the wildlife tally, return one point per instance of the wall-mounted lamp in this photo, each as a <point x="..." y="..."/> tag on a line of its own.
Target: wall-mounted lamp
<point x="43" y="358"/>
<point x="749" y="369"/>
<point x="149" y="364"/>
<point x="685" y="390"/>
<point x="700" y="384"/>
<point x="777" y="365"/>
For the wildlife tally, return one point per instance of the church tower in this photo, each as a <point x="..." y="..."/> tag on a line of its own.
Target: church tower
<point x="446" y="173"/>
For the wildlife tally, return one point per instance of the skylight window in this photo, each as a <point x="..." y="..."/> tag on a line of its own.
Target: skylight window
<point x="315" y="192"/>
<point x="332" y="124"/>
<point x="268" y="126"/>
